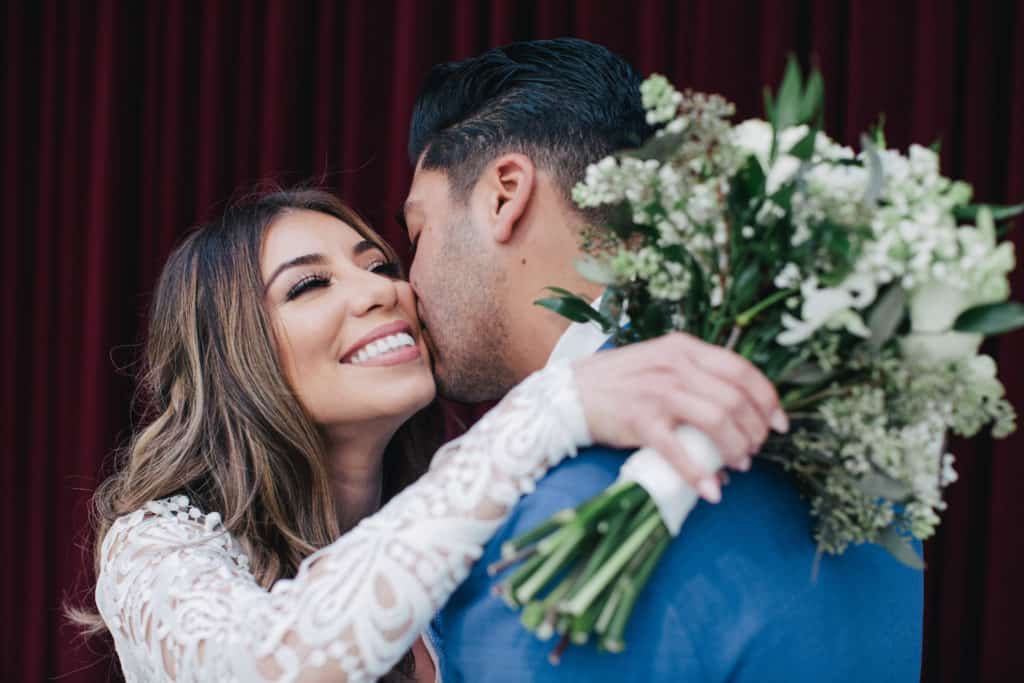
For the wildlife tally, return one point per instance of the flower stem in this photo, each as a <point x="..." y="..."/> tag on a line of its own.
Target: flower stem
<point x="630" y="585"/>
<point x="553" y="523"/>
<point x="745" y="318"/>
<point x="561" y="556"/>
<point x="607" y="573"/>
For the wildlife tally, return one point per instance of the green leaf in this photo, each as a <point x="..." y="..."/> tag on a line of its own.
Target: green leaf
<point x="814" y="99"/>
<point x="878" y="485"/>
<point x="576" y="310"/>
<point x="991" y="319"/>
<point x="804" y="149"/>
<point x="886" y="315"/>
<point x="744" y="288"/>
<point x="900" y="547"/>
<point x="790" y="98"/>
<point x="968" y="213"/>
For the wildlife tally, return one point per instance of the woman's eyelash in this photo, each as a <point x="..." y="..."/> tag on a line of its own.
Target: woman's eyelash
<point x="387" y="269"/>
<point x="390" y="269"/>
<point x="312" y="281"/>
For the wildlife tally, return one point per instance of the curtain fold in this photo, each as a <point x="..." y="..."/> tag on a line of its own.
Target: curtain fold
<point x="124" y="124"/>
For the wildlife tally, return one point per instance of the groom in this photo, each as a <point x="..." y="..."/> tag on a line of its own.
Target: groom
<point x="497" y="142"/>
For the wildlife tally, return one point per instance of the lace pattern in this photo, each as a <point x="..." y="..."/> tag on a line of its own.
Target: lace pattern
<point x="176" y="592"/>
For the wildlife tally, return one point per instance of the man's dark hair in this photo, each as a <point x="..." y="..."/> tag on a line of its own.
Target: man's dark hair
<point x="565" y="103"/>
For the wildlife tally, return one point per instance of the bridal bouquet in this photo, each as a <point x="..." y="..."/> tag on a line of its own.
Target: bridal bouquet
<point x="861" y="283"/>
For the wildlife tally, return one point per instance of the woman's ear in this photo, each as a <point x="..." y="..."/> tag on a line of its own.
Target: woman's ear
<point x="508" y="184"/>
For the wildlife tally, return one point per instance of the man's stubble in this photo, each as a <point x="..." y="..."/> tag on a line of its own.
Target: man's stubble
<point x="468" y="328"/>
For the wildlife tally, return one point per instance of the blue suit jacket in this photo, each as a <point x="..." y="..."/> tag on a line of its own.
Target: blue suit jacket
<point x="732" y="599"/>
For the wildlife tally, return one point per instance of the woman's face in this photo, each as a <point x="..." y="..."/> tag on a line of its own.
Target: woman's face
<point x="346" y="326"/>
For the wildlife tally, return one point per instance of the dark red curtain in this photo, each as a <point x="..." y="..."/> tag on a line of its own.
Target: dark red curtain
<point x="126" y="122"/>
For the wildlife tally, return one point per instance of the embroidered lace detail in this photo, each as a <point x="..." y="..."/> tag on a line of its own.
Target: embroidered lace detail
<point x="176" y="592"/>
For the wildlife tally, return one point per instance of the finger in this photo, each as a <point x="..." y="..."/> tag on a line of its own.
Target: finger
<point x="742" y="374"/>
<point x="721" y="426"/>
<point x="731" y="400"/>
<point x="662" y="439"/>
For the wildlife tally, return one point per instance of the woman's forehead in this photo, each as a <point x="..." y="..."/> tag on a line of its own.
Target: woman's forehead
<point x="301" y="232"/>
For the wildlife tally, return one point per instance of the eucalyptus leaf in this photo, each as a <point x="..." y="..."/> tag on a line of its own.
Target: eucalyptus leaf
<point x="991" y="319"/>
<point x="805" y="374"/>
<point x="658" y="147"/>
<point x="969" y="212"/>
<point x="886" y="315"/>
<point x="595" y="271"/>
<point x="878" y="485"/>
<point x="875" y="174"/>
<point x="900" y="547"/>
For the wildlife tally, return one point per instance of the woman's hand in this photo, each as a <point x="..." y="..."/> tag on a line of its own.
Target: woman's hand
<point x="637" y="395"/>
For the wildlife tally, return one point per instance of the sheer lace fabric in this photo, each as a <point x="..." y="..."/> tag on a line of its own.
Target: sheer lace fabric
<point x="176" y="592"/>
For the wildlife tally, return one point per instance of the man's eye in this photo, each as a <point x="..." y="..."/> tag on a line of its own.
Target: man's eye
<point x="307" y="283"/>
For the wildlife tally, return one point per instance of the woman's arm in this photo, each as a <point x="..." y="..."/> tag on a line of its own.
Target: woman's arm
<point x="183" y="606"/>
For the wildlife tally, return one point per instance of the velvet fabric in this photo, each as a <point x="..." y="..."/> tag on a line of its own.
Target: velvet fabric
<point x="124" y="123"/>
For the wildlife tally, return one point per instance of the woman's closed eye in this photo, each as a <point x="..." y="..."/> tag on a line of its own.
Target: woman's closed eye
<point x="308" y="282"/>
<point x="389" y="269"/>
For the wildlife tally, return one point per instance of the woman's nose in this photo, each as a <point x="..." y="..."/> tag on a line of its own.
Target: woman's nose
<point x="371" y="291"/>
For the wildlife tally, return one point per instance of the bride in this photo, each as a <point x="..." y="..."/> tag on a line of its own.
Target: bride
<point x="274" y="517"/>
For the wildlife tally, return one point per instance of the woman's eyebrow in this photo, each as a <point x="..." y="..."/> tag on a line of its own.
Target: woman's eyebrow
<point x="304" y="260"/>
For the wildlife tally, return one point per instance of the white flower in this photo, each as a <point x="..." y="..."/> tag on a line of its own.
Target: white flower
<point x="935" y="305"/>
<point x="781" y="172"/>
<point x="980" y="372"/>
<point x="754" y="136"/>
<point x="832" y="308"/>
<point x="939" y="347"/>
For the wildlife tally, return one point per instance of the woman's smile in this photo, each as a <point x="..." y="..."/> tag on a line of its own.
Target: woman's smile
<point x="390" y="344"/>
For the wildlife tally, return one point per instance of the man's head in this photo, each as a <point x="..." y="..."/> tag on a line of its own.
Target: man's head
<point x="498" y="141"/>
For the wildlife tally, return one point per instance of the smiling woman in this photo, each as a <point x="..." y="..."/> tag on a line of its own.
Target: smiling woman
<point x="250" y="388"/>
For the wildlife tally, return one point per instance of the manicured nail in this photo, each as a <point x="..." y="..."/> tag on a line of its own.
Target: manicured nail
<point x="779" y="422"/>
<point x="709" y="490"/>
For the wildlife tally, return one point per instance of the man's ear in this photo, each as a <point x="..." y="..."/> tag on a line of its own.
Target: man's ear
<point x="508" y="184"/>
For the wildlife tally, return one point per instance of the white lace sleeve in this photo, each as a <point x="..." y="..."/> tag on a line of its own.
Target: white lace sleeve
<point x="175" y="590"/>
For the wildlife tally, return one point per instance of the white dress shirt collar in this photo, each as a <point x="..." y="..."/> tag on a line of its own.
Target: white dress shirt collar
<point x="578" y="341"/>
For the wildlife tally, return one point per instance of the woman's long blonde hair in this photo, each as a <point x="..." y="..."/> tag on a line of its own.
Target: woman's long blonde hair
<point x="221" y="424"/>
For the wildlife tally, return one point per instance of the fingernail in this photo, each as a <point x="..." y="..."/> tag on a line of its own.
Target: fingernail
<point x="745" y="465"/>
<point x="779" y="422"/>
<point x="709" y="490"/>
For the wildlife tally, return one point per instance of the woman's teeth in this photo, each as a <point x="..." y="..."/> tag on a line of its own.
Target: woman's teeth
<point x="382" y="346"/>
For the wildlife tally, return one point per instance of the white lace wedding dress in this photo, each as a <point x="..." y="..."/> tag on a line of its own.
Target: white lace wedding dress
<point x="176" y="593"/>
